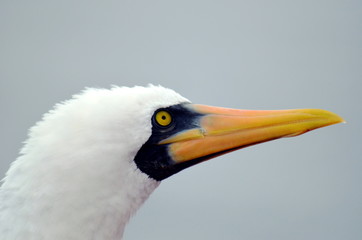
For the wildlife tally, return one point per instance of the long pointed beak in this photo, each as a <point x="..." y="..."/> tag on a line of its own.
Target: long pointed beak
<point x="222" y="130"/>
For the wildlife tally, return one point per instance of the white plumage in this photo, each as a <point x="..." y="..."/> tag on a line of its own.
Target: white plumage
<point x="75" y="178"/>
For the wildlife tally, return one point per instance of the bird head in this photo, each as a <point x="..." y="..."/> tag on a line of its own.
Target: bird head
<point x="109" y="135"/>
<point x="108" y="149"/>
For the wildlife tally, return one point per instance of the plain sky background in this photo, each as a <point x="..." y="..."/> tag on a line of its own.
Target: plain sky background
<point x="241" y="54"/>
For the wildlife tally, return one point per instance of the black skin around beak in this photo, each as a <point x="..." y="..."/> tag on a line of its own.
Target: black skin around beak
<point x="186" y="134"/>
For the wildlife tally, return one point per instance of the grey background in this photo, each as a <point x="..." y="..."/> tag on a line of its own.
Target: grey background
<point x="241" y="54"/>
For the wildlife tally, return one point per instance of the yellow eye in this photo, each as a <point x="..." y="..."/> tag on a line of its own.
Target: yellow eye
<point x="163" y="118"/>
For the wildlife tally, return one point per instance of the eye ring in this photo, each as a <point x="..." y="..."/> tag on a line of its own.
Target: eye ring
<point x="163" y="118"/>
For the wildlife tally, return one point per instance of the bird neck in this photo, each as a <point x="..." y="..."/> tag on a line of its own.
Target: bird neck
<point x="67" y="206"/>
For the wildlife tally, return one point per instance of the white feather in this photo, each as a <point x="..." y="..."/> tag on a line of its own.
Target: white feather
<point x="75" y="178"/>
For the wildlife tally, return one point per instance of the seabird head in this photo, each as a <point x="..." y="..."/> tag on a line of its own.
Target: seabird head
<point x="92" y="161"/>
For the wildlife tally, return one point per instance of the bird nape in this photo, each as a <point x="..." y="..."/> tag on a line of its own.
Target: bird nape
<point x="90" y="163"/>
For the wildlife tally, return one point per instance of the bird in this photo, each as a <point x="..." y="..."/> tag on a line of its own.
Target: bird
<point x="91" y="162"/>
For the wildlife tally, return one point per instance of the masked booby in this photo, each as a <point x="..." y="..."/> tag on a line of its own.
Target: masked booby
<point x="90" y="163"/>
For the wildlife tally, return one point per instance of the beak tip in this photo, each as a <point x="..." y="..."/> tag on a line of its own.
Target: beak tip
<point x="335" y="118"/>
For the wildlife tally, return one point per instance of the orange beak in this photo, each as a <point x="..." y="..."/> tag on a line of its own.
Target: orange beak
<point x="222" y="130"/>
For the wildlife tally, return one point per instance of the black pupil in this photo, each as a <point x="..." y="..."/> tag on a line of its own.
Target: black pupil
<point x="163" y="117"/>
